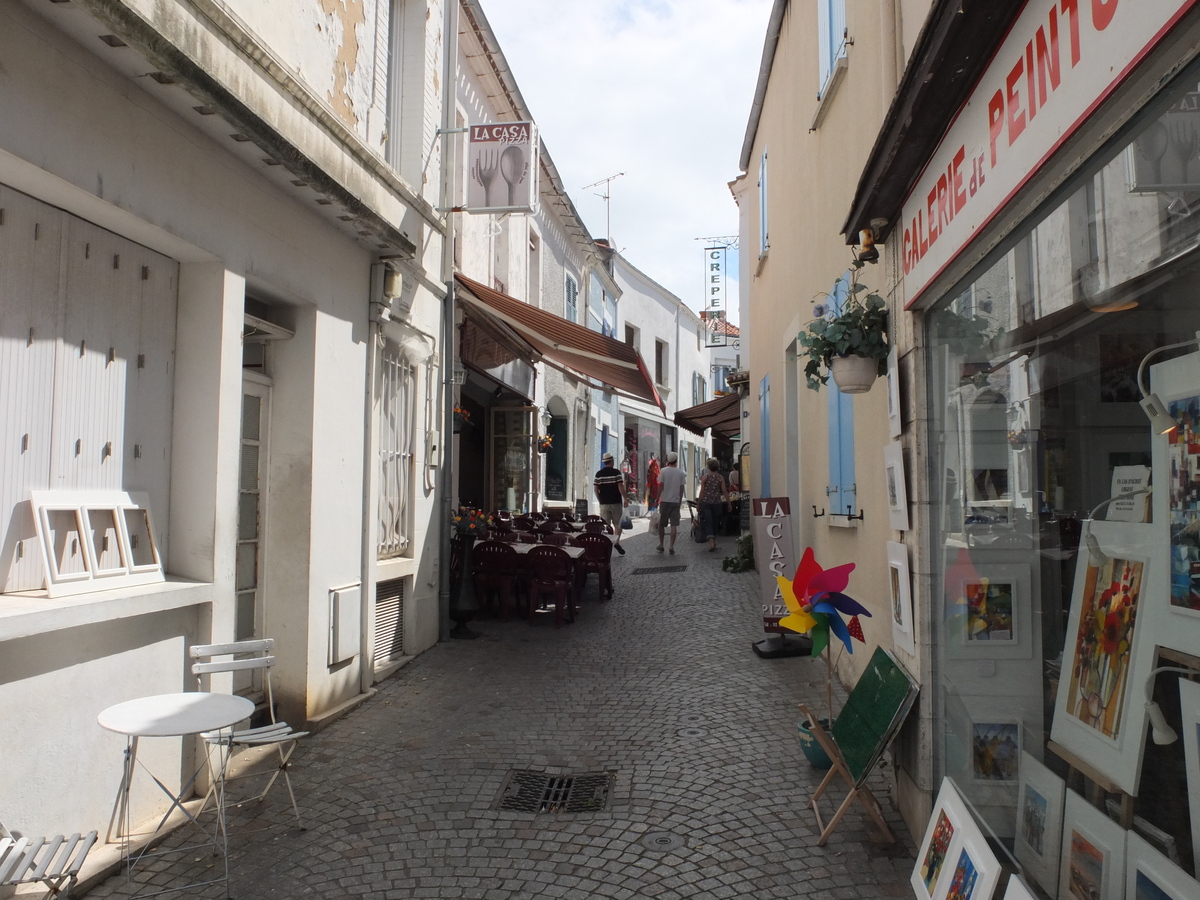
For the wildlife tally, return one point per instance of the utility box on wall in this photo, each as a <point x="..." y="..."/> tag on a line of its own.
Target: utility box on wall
<point x="345" y="623"/>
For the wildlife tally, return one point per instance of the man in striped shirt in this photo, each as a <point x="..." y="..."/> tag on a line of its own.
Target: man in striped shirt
<point x="609" y="486"/>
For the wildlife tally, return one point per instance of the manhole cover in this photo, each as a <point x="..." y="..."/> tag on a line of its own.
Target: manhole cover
<point x="537" y="792"/>
<point x="693" y="717"/>
<point x="692" y="732"/>
<point x="662" y="841"/>
<point x="660" y="570"/>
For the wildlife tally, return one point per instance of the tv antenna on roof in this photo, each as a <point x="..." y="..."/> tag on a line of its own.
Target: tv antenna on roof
<point x="722" y="240"/>
<point x="607" y="198"/>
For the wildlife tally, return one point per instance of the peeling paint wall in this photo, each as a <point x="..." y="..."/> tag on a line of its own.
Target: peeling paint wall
<point x="330" y="45"/>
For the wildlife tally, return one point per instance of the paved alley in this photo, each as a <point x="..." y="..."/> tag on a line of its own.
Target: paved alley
<point x="658" y="686"/>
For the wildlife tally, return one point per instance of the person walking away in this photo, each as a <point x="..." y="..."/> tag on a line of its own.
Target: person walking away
<point x="713" y="496"/>
<point x="609" y="485"/>
<point x="671" y="500"/>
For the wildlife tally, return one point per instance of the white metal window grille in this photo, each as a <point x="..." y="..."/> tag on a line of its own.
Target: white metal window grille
<point x="389" y="621"/>
<point x="831" y="33"/>
<point x="571" y="297"/>
<point x="397" y="394"/>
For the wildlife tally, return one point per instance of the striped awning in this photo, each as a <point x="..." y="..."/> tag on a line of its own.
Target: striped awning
<point x="723" y="415"/>
<point x="581" y="351"/>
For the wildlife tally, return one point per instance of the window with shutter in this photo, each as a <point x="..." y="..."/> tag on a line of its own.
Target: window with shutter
<point x="571" y="296"/>
<point x="764" y="413"/>
<point x="764" y="243"/>
<point x="841" y="487"/>
<point x="831" y="34"/>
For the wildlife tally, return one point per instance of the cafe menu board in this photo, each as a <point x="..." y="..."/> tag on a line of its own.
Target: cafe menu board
<point x="581" y="508"/>
<point x="774" y="555"/>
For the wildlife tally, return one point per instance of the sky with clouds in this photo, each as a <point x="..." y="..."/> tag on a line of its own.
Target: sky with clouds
<point x="657" y="89"/>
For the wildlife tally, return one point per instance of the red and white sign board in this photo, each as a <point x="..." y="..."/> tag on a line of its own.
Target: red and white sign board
<point x="1059" y="61"/>
<point x="771" y="525"/>
<point x="502" y="166"/>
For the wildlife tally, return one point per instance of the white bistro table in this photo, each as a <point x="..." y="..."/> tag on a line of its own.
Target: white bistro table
<point x="174" y="715"/>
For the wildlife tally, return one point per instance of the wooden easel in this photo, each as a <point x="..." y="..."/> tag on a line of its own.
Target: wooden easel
<point x="869" y="721"/>
<point x="857" y="790"/>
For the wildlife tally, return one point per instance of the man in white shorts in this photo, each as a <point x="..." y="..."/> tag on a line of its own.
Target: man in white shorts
<point x="670" y="500"/>
<point x="609" y="486"/>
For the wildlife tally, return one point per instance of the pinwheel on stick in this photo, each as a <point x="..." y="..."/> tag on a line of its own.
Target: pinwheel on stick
<point x="816" y="604"/>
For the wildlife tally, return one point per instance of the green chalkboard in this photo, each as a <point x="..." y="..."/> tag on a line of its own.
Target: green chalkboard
<point x="873" y="713"/>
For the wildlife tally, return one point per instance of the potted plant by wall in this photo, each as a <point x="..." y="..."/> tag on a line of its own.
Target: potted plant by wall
<point x="848" y="341"/>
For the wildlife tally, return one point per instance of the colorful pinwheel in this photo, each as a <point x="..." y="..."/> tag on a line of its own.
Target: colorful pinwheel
<point x="816" y="603"/>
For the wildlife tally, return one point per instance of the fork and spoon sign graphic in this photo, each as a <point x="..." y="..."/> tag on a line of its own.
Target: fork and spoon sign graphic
<point x="508" y="163"/>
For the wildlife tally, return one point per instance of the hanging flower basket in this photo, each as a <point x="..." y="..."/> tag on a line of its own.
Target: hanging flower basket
<point x="462" y="418"/>
<point x="853" y="374"/>
<point x="848" y="331"/>
<point x="544" y="443"/>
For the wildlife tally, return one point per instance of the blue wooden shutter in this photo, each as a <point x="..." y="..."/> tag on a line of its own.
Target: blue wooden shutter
<point x="841" y="487"/>
<point x="764" y="398"/>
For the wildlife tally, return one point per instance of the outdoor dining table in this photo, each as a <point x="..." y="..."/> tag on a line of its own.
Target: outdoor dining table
<point x="523" y="548"/>
<point x="173" y="715"/>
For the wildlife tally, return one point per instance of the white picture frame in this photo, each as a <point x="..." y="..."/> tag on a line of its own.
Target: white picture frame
<point x="900" y="592"/>
<point x="1100" y="713"/>
<point x="895" y="425"/>
<point x="1189" y="703"/>
<point x="993" y="613"/>
<point x="1018" y="890"/>
<point x="1176" y="508"/>
<point x="1092" y="864"/>
<point x="953" y="860"/>
<point x="1151" y="876"/>
<point x="895" y="487"/>
<point x="1038" y="840"/>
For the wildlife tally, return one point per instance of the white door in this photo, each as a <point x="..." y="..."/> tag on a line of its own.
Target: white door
<point x="252" y="494"/>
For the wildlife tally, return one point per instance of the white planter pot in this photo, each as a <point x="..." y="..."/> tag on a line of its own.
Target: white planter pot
<point x="853" y="374"/>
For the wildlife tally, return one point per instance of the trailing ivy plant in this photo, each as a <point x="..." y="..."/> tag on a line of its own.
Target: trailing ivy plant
<point x="859" y="329"/>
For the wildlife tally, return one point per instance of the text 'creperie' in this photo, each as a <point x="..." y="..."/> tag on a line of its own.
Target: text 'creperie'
<point x="1032" y="76"/>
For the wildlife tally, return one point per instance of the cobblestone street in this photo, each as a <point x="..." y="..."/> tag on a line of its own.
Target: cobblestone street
<point x="658" y="685"/>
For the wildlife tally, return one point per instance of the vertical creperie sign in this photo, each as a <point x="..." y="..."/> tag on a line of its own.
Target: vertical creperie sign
<point x="1059" y="60"/>
<point x="772" y="530"/>
<point x="714" y="296"/>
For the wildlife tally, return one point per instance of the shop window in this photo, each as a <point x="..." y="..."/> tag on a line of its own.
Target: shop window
<point x="1036" y="423"/>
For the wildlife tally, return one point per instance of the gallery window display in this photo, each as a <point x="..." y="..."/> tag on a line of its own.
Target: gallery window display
<point x="1066" y="545"/>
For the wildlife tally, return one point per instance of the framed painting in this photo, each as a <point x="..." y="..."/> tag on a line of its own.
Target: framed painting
<point x="1176" y="499"/>
<point x="995" y="752"/>
<point x="895" y="486"/>
<point x="900" y="588"/>
<point x="1189" y="703"/>
<point x="1151" y="876"/>
<point x="893" y="384"/>
<point x="991" y="613"/>
<point x="1108" y="652"/>
<point x="943" y="833"/>
<point x="1039" y="823"/>
<point x="953" y="861"/>
<point x="1092" y="863"/>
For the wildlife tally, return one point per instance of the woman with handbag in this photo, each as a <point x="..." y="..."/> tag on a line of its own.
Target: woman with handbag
<point x="713" y="496"/>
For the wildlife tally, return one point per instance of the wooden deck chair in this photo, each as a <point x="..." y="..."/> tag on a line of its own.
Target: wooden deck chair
<point x="239" y="657"/>
<point x="52" y="862"/>
<point x="864" y="729"/>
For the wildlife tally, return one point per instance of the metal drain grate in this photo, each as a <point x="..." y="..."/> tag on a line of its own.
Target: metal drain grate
<point x="660" y="570"/>
<point x="537" y="792"/>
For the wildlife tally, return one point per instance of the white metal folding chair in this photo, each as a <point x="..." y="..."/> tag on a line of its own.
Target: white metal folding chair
<point x="242" y="656"/>
<point x="53" y="862"/>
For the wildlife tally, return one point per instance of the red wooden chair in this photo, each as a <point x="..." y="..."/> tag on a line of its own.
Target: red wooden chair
<point x="524" y="523"/>
<point x="597" y="557"/>
<point x="551" y="571"/>
<point x="594" y="527"/>
<point x="556" y="538"/>
<point x="607" y="529"/>
<point x="495" y="566"/>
